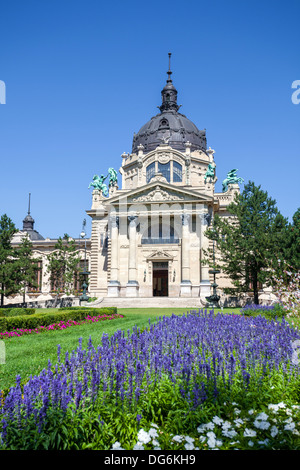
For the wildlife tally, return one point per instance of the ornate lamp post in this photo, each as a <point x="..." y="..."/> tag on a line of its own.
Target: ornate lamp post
<point x="85" y="273"/>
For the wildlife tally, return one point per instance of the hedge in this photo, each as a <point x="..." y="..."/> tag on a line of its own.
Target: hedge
<point x="45" y="319"/>
<point x="15" y="312"/>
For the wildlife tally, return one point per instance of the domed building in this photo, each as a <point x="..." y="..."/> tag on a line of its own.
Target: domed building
<point x="148" y="236"/>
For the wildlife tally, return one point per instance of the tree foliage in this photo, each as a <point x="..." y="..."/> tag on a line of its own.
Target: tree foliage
<point x="250" y="241"/>
<point x="26" y="266"/>
<point x="63" y="264"/>
<point x="17" y="267"/>
<point x="7" y="268"/>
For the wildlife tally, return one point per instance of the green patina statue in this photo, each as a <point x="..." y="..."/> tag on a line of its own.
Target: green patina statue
<point x="98" y="183"/>
<point x="211" y="172"/>
<point x="231" y="178"/>
<point x="113" y="178"/>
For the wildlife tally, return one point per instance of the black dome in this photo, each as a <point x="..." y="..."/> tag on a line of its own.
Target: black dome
<point x="169" y="126"/>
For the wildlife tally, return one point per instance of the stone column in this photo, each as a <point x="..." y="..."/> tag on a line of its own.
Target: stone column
<point x="185" y="285"/>
<point x="113" y="288"/>
<point x="132" y="285"/>
<point x="204" y="242"/>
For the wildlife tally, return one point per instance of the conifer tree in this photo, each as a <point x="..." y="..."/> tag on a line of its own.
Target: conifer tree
<point x="26" y="266"/>
<point x="250" y="241"/>
<point x="292" y="245"/>
<point x="7" y="269"/>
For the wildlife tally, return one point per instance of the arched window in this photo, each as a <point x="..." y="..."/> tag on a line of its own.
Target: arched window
<point x="150" y="172"/>
<point x="177" y="172"/>
<point x="164" y="168"/>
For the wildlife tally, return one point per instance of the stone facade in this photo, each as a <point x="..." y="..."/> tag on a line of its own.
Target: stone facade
<point x="148" y="237"/>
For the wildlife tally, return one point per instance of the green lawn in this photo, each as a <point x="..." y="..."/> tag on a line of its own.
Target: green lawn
<point x="28" y="355"/>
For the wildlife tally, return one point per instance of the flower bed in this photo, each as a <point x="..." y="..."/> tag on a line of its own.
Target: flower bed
<point x="43" y="318"/>
<point x="62" y="325"/>
<point x="168" y="373"/>
<point x="250" y="429"/>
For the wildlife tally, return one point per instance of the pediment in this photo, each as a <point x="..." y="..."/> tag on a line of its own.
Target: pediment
<point x="160" y="255"/>
<point x="159" y="191"/>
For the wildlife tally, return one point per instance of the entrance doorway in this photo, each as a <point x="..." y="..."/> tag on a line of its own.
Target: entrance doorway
<point x="160" y="279"/>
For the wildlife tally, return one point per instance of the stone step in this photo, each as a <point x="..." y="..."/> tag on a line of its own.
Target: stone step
<point x="151" y="302"/>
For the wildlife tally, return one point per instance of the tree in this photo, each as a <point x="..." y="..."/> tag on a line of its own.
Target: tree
<point x="292" y="243"/>
<point x="26" y="266"/>
<point x="250" y="241"/>
<point x="63" y="265"/>
<point x="7" y="268"/>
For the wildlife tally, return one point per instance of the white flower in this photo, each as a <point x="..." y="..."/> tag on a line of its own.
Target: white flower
<point x="217" y="420"/>
<point x="236" y="411"/>
<point x="201" y="428"/>
<point x="154" y="425"/>
<point x="211" y="442"/>
<point x="264" y="443"/>
<point x="209" y="426"/>
<point x="289" y="427"/>
<point x="249" y="433"/>
<point x="202" y="439"/>
<point x="138" y="446"/>
<point x="177" y="438"/>
<point x="190" y="440"/>
<point x="229" y="433"/>
<point x="155" y="442"/>
<point x="189" y="446"/>
<point x="281" y="405"/>
<point x="117" y="446"/>
<point x="238" y="422"/>
<point x="263" y="416"/>
<point x="157" y="448"/>
<point x="275" y="408"/>
<point x="274" y="431"/>
<point x="251" y="443"/>
<point x="143" y="436"/>
<point x="211" y="435"/>
<point x="226" y="425"/>
<point x="251" y="412"/>
<point x="153" y="432"/>
<point x="261" y="424"/>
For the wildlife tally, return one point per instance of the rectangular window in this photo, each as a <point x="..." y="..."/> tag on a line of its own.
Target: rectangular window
<point x="164" y="169"/>
<point x="177" y="172"/>
<point x="150" y="172"/>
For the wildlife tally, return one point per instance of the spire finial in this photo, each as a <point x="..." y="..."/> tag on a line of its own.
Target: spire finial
<point x="169" y="71"/>
<point x="29" y="204"/>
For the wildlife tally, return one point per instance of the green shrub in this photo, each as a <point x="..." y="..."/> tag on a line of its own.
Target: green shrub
<point x="268" y="311"/>
<point x="15" y="312"/>
<point x="46" y="319"/>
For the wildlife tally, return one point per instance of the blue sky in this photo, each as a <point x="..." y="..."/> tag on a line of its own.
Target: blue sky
<point x="82" y="76"/>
